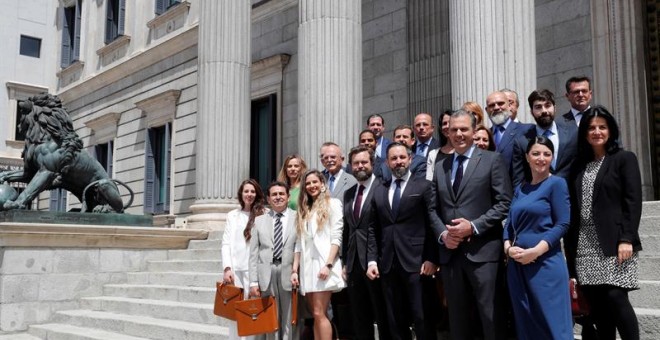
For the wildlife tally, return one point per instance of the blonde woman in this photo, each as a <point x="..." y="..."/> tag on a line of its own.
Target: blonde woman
<point x="291" y="173"/>
<point x="316" y="264"/>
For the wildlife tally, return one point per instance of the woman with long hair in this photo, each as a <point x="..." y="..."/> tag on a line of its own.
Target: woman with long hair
<point x="537" y="273"/>
<point x="291" y="173"/>
<point x="603" y="243"/>
<point x="316" y="265"/>
<point x="236" y="238"/>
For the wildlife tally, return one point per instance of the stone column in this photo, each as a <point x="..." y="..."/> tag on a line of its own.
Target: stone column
<point x="492" y="47"/>
<point x="619" y="83"/>
<point x="223" y="115"/>
<point x="329" y="75"/>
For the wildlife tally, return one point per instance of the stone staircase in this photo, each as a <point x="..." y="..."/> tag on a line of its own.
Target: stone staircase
<point x="172" y="299"/>
<point x="647" y="299"/>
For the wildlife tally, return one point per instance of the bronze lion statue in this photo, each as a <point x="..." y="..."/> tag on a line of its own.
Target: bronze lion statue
<point x="53" y="158"/>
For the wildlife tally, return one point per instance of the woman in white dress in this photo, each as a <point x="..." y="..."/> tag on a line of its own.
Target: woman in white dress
<point x="236" y="239"/>
<point x="319" y="227"/>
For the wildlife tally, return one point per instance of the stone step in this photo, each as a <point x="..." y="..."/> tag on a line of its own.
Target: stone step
<point x="648" y="296"/>
<point x="194" y="254"/>
<point x="186" y="279"/>
<point x="649" y="208"/>
<point x="18" y="336"/>
<point x="215" y="235"/>
<point x="208" y="266"/>
<point x="162" y="309"/>
<point x="142" y="326"/>
<point x="205" y="244"/>
<point x="648" y="267"/>
<point x="649" y="323"/>
<point x="162" y="292"/>
<point x="649" y="225"/>
<point x="57" y="331"/>
<point x="650" y="245"/>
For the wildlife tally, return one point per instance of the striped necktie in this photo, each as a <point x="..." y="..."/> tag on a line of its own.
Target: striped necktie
<point x="277" y="237"/>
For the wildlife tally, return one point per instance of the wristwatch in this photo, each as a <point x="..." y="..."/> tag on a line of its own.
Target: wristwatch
<point x="329" y="265"/>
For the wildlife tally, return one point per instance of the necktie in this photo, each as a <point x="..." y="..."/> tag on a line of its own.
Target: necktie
<point x="358" y="203"/>
<point x="396" y="199"/>
<point x="499" y="132"/>
<point x="332" y="183"/>
<point x="547" y="134"/>
<point x="421" y="148"/>
<point x="277" y="237"/>
<point x="459" y="174"/>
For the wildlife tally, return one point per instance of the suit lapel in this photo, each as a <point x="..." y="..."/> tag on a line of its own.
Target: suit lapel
<point x="384" y="196"/>
<point x="446" y="166"/>
<point x="351" y="203"/>
<point x="507" y="137"/>
<point x="601" y="174"/>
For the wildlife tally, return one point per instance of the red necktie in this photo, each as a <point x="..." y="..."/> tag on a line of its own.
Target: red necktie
<point x="358" y="203"/>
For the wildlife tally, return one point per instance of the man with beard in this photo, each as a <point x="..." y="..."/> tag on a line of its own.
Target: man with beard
<point x="366" y="295"/>
<point x="338" y="180"/>
<point x="376" y="124"/>
<point x="578" y="93"/>
<point x="563" y="137"/>
<point x="404" y="135"/>
<point x="504" y="129"/>
<point x="473" y="197"/>
<point x="401" y="242"/>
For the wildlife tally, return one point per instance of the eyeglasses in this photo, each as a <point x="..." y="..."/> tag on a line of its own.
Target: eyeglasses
<point x="577" y="92"/>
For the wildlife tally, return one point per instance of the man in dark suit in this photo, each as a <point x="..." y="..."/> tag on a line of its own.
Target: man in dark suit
<point x="473" y="197"/>
<point x="562" y="135"/>
<point x="578" y="93"/>
<point x="504" y="129"/>
<point x="332" y="159"/>
<point x="424" y="129"/>
<point x="401" y="242"/>
<point x="376" y="124"/>
<point x="404" y="135"/>
<point x="366" y="295"/>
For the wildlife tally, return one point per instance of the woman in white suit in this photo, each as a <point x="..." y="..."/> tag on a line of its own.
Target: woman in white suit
<point x="319" y="227"/>
<point x="236" y="239"/>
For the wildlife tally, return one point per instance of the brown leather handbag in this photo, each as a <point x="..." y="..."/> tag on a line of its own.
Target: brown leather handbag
<point x="226" y="296"/>
<point x="579" y="305"/>
<point x="256" y="316"/>
<point x="294" y="306"/>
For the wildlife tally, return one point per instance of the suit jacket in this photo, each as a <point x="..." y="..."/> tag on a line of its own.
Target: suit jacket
<point x="505" y="147"/>
<point x="435" y="144"/>
<point x="354" y="240"/>
<point x="566" y="152"/>
<point x="410" y="233"/>
<point x="417" y="169"/>
<point x="617" y="205"/>
<point x="569" y="118"/>
<point x="383" y="148"/>
<point x="483" y="198"/>
<point x="342" y="184"/>
<point x="261" y="249"/>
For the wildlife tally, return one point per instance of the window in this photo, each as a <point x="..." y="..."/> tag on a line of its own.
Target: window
<point x="163" y="5"/>
<point x="115" y="17"/>
<point x="71" y="34"/>
<point x="263" y="142"/>
<point x="58" y="200"/>
<point x="157" y="170"/>
<point x="30" y="46"/>
<point x="103" y="154"/>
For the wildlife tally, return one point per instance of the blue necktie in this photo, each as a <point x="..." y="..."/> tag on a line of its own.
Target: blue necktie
<point x="332" y="183"/>
<point x="421" y="148"/>
<point x="499" y="133"/>
<point x="547" y="134"/>
<point x="396" y="199"/>
<point x="459" y="174"/>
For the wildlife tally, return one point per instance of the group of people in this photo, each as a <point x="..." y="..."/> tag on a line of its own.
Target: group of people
<point x="480" y="212"/>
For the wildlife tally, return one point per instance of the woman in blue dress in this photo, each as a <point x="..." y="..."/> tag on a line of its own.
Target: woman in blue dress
<point x="536" y="270"/>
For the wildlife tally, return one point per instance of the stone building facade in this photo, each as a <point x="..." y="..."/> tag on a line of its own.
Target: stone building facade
<point x="184" y="99"/>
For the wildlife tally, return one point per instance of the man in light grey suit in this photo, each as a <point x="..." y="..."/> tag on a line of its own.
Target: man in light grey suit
<point x="338" y="180"/>
<point x="271" y="257"/>
<point x="473" y="195"/>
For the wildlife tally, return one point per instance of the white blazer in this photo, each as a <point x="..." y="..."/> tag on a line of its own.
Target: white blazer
<point x="235" y="250"/>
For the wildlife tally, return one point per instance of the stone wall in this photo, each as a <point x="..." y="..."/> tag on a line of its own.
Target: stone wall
<point x="563" y="46"/>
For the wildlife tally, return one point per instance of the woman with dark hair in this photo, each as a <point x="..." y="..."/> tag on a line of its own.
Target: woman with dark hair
<point x="319" y="226"/>
<point x="603" y="243"/>
<point x="537" y="274"/>
<point x="483" y="138"/>
<point x="292" y="171"/>
<point x="445" y="150"/>
<point x="236" y="238"/>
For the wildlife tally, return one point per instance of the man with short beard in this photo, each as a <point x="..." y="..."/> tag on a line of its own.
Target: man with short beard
<point x="562" y="135"/>
<point x="404" y="135"/>
<point x="401" y="242"/>
<point x="366" y="296"/>
<point x="504" y="129"/>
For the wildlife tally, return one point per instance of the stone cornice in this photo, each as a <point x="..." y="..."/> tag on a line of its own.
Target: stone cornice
<point x="270" y="64"/>
<point x="23" y="87"/>
<point x="75" y="66"/>
<point x="122" y="40"/>
<point x="103" y="121"/>
<point x="265" y="9"/>
<point x="159" y="109"/>
<point x="93" y="236"/>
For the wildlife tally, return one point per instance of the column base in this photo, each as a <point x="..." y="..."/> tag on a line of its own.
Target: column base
<point x="209" y="216"/>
